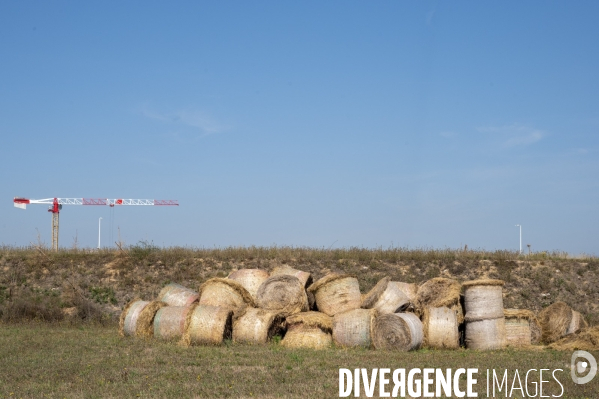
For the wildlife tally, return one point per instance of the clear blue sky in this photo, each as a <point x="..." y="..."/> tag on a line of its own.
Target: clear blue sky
<point x="343" y="123"/>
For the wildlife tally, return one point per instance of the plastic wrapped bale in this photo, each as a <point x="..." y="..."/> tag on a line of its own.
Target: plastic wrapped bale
<point x="486" y="334"/>
<point x="145" y="321"/>
<point x="353" y="328"/>
<point x="483" y="299"/>
<point x="250" y="279"/>
<point x="257" y="326"/>
<point x="208" y="325"/>
<point x="385" y="298"/>
<point x="586" y="339"/>
<point x="336" y="293"/>
<point x="437" y="293"/>
<point x="169" y="323"/>
<point x="410" y="289"/>
<point x="225" y="292"/>
<point x="576" y="324"/>
<point x="308" y="330"/>
<point x="555" y="320"/>
<point x="520" y="326"/>
<point x="397" y="331"/>
<point x="177" y="295"/>
<point x="440" y="326"/>
<point x="304" y="277"/>
<point x="283" y="294"/>
<point x="129" y="316"/>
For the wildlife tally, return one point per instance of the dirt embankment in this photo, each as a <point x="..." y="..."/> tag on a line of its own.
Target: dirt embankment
<point x="79" y="285"/>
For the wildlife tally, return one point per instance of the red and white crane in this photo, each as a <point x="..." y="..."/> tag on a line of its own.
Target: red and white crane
<point x="57" y="203"/>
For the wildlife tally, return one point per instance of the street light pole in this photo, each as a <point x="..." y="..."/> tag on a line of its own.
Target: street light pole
<point x="99" y="230"/>
<point x="520" y="238"/>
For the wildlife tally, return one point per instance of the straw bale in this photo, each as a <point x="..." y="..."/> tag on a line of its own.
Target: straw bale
<point x="486" y="334"/>
<point x="353" y="328"/>
<point x="145" y="320"/>
<point x="169" y="323"/>
<point x="302" y="335"/>
<point x="586" y="339"/>
<point x="437" y="293"/>
<point x="385" y="297"/>
<point x="129" y="316"/>
<point x="336" y="293"/>
<point x="226" y="293"/>
<point x="312" y="319"/>
<point x="282" y="293"/>
<point x="576" y="324"/>
<point x="304" y="277"/>
<point x="397" y="331"/>
<point x="250" y="279"/>
<point x="257" y="326"/>
<point x="483" y="300"/>
<point x="177" y="295"/>
<point x="410" y="289"/>
<point x="521" y="327"/>
<point x="208" y="325"/>
<point x="440" y="326"/>
<point x="554" y="321"/>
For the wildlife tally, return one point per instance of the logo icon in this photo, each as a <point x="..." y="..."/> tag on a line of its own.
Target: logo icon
<point x="579" y="367"/>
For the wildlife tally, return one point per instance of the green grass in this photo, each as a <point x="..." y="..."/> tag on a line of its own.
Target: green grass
<point x="58" y="361"/>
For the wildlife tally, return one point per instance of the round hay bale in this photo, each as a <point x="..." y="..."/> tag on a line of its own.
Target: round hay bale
<point x="282" y="293"/>
<point x="129" y="316"/>
<point x="440" y="326"/>
<point x="250" y="279"/>
<point x="145" y="320"/>
<point x="304" y="277"/>
<point x="257" y="326"/>
<point x="519" y="327"/>
<point x="576" y="324"/>
<point x="483" y="299"/>
<point x="385" y="298"/>
<point x="336" y="293"/>
<point x="437" y="293"/>
<point x="352" y="328"/>
<point x="169" y="323"/>
<point x="312" y="319"/>
<point x="208" y="325"/>
<point x="555" y="320"/>
<point x="397" y="331"/>
<point x="225" y="292"/>
<point x="177" y="295"/>
<point x="410" y="289"/>
<point x="305" y="336"/>
<point x="586" y="339"/>
<point x="488" y="334"/>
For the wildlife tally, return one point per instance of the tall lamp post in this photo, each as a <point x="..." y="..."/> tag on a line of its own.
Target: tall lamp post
<point x="99" y="230"/>
<point x="520" y="238"/>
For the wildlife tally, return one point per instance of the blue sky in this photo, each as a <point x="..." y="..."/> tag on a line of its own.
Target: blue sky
<point x="341" y="123"/>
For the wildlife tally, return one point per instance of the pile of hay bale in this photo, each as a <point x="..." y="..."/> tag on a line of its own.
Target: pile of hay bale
<point x="252" y="306"/>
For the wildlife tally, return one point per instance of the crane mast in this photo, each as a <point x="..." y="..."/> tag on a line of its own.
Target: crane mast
<point x="57" y="203"/>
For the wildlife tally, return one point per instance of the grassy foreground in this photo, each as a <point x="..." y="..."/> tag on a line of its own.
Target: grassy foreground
<point x="52" y="360"/>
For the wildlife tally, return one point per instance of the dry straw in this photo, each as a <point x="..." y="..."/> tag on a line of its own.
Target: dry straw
<point x="177" y="295"/>
<point x="440" y="292"/>
<point x="397" y="331"/>
<point x="225" y="292"/>
<point x="483" y="299"/>
<point x="282" y="293"/>
<point x="129" y="317"/>
<point x="257" y="326"/>
<point x="353" y="328"/>
<point x="336" y="293"/>
<point x="586" y="339"/>
<point x="410" y="289"/>
<point x="304" y="277"/>
<point x="487" y="334"/>
<point x="308" y="330"/>
<point x="555" y="321"/>
<point x="145" y="321"/>
<point x="440" y="326"/>
<point x="250" y="279"/>
<point x="208" y="325"/>
<point x="521" y="327"/>
<point x="385" y="298"/>
<point x="576" y="324"/>
<point x="169" y="323"/>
